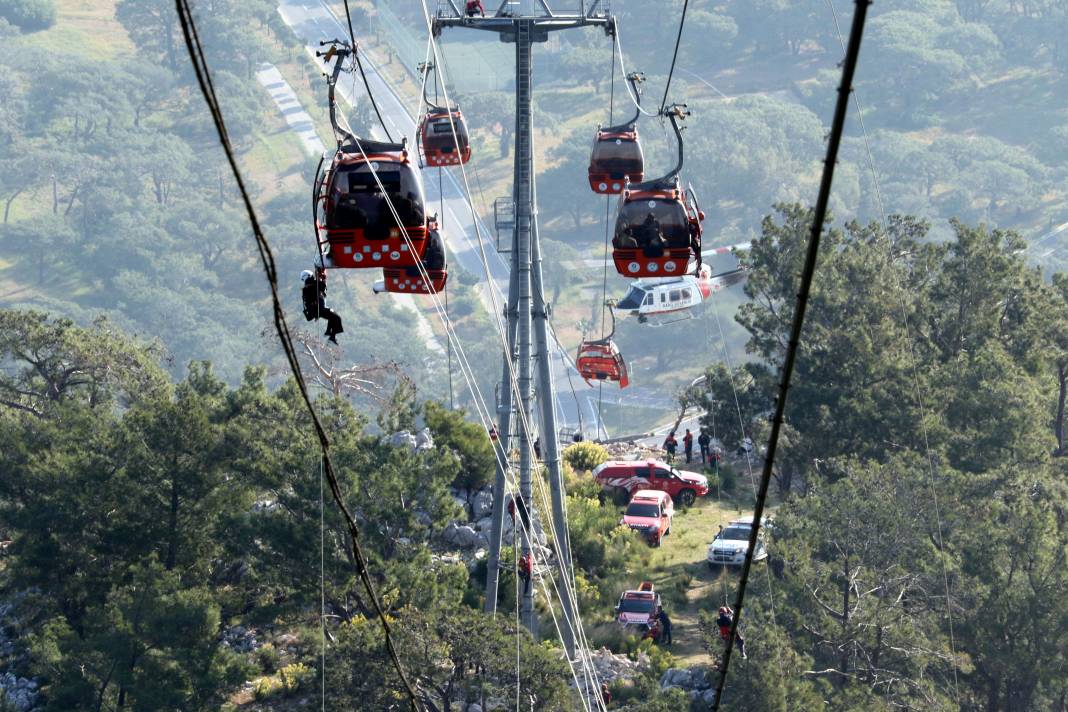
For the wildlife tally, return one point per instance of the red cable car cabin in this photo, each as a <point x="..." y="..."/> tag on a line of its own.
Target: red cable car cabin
<point x="616" y="158"/>
<point x="658" y="230"/>
<point x="436" y="136"/>
<point x="600" y="360"/>
<point x="410" y="280"/>
<point x="353" y="216"/>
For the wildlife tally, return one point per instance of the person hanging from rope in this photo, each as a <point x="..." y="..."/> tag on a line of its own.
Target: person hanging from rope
<point x="670" y="446"/>
<point x="687" y="446"/>
<point x="313" y="294"/>
<point x="526" y="571"/>
<point x="474" y="7"/>
<point x="665" y="625"/>
<point x="704" y="440"/>
<point x="724" y="621"/>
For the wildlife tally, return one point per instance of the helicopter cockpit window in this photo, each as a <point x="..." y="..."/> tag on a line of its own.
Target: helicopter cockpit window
<point x="633" y="298"/>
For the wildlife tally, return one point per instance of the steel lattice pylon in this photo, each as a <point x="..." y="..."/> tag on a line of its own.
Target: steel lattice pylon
<point x="526" y="22"/>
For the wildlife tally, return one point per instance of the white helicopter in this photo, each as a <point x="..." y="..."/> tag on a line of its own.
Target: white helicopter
<point x="651" y="299"/>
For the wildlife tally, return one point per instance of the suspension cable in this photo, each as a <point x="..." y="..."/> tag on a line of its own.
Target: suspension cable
<point x="607" y="219"/>
<point x="837" y="126"/>
<point x="675" y="56"/>
<point x="914" y="362"/>
<point x="468" y="372"/>
<point x="207" y="88"/>
<point x="359" y="65"/>
<point x="578" y="634"/>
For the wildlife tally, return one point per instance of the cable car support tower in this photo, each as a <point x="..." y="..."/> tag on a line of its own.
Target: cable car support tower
<point x="525" y="23"/>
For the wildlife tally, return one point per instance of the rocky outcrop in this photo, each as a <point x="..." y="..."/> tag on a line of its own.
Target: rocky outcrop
<point x="611" y="667"/>
<point x="239" y="639"/>
<point x="20" y="692"/>
<point x="463" y="536"/>
<point x="416" y="442"/>
<point x="695" y="681"/>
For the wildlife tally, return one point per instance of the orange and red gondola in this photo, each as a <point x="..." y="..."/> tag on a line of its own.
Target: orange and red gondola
<point x="443" y="137"/>
<point x="658" y="225"/>
<point x="411" y="279"/>
<point x="617" y="155"/>
<point x="357" y="226"/>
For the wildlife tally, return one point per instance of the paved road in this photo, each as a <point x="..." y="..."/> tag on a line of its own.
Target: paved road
<point x="286" y="100"/>
<point x="313" y="22"/>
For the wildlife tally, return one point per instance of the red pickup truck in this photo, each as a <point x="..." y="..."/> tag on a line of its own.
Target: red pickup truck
<point x="622" y="478"/>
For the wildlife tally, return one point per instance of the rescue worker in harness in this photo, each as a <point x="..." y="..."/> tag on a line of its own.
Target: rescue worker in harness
<point x="724" y="621"/>
<point x="313" y="294"/>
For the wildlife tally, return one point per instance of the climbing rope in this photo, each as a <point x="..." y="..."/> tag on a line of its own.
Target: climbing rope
<point x="207" y="88"/>
<point x="837" y="126"/>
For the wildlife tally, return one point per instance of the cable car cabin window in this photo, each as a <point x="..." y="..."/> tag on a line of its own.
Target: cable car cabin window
<point x="364" y="206"/>
<point x="439" y="137"/>
<point x="669" y="218"/>
<point x="617" y="155"/>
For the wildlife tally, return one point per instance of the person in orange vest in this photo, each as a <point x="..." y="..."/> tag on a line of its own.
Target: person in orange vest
<point x="687" y="445"/>
<point x="526" y="569"/>
<point x="670" y="446"/>
<point x="724" y="621"/>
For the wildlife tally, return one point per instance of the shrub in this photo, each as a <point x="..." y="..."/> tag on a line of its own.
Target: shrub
<point x="728" y="478"/>
<point x="585" y="456"/>
<point x="29" y="15"/>
<point x="294" y="676"/>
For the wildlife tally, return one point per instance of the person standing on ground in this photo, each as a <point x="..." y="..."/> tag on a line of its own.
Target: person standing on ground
<point x="665" y="626"/>
<point x="687" y="445"/>
<point x="606" y="694"/>
<point x="704" y="440"/>
<point x="670" y="446"/>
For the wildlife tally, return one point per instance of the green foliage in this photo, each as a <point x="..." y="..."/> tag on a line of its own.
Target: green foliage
<point x="585" y="456"/>
<point x="467" y="440"/>
<point x="29" y="15"/>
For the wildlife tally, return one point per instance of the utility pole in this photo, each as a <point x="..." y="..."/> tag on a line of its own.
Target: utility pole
<point x="526" y="22"/>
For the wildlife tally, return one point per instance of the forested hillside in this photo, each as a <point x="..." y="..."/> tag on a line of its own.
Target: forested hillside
<point x="116" y="198"/>
<point x="148" y="518"/>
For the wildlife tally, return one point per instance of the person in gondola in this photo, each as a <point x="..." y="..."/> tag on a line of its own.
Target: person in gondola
<point x="313" y="294"/>
<point x="724" y="621"/>
<point x="625" y="239"/>
<point x="474" y="7"/>
<point x="649" y="237"/>
<point x="434" y="259"/>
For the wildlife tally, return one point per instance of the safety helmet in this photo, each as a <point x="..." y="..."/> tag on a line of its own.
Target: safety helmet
<point x="306" y="275"/>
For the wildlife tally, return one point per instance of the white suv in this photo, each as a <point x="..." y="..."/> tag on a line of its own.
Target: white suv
<point x="729" y="546"/>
